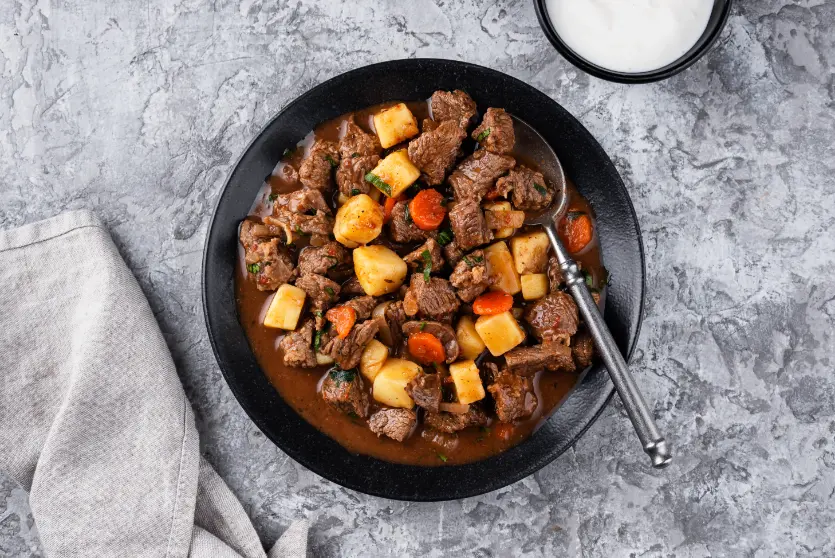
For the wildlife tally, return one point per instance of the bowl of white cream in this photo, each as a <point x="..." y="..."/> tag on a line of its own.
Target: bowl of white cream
<point x="632" y="41"/>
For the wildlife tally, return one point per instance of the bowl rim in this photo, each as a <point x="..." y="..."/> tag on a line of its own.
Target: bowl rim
<point x="675" y="67"/>
<point x="597" y="404"/>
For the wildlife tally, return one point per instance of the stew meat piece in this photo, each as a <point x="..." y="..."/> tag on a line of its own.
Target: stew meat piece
<point x="425" y="389"/>
<point x="297" y="347"/>
<point x="553" y="318"/>
<point x="530" y="191"/>
<point x="347" y="352"/>
<point x="527" y="361"/>
<point x="395" y="317"/>
<point x="476" y="174"/>
<point x="362" y="305"/>
<point x="495" y="133"/>
<point x="435" y="300"/>
<point x="397" y="424"/>
<point x="453" y="253"/>
<point x="451" y="422"/>
<point x="317" y="168"/>
<point x="469" y="225"/>
<point x="470" y="276"/>
<point x="435" y="152"/>
<point x="323" y="259"/>
<point x="403" y="230"/>
<point x="443" y="332"/>
<point x="271" y="263"/>
<point x="322" y="293"/>
<point x="360" y="153"/>
<point x="344" y="391"/>
<point x="417" y="261"/>
<point x="301" y="212"/>
<point x="352" y="287"/>
<point x="452" y="105"/>
<point x="514" y="396"/>
<point x="582" y="349"/>
<point x="555" y="279"/>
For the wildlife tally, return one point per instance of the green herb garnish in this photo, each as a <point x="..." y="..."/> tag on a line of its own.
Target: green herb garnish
<point x="427" y="264"/>
<point x="273" y="197"/>
<point x="589" y="279"/>
<point x="422" y="326"/>
<point x="483" y="135"/>
<point x="354" y="155"/>
<point x="287" y="152"/>
<point x="332" y="161"/>
<point x="254" y="268"/>
<point x="445" y="237"/>
<point x="318" y="313"/>
<point x="355" y="192"/>
<point x="541" y="189"/>
<point x="317" y="340"/>
<point x="329" y="290"/>
<point x="335" y="261"/>
<point x="339" y="376"/>
<point x="378" y="183"/>
<point x="443" y="457"/>
<point x="472" y="262"/>
<point x="408" y="214"/>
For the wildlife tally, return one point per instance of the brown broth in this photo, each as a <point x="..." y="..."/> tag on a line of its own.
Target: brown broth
<point x="300" y="387"/>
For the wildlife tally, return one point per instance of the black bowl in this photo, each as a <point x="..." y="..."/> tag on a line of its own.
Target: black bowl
<point x="718" y="18"/>
<point x="585" y="163"/>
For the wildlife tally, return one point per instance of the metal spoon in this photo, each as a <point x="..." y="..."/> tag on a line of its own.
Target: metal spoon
<point x="530" y="142"/>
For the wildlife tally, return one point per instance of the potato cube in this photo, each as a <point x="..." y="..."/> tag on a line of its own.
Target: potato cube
<point x="358" y="221"/>
<point x="391" y="381"/>
<point x="468" y="340"/>
<point x="394" y="174"/>
<point x="501" y="269"/>
<point x="379" y="270"/>
<point x="467" y="381"/>
<point x="500" y="332"/>
<point x="530" y="252"/>
<point x="323" y="359"/>
<point x="534" y="286"/>
<point x="373" y="358"/>
<point x="395" y="124"/>
<point x="501" y="206"/>
<point x="285" y="308"/>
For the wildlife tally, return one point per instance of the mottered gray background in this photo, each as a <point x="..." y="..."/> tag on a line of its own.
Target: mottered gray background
<point x="138" y="109"/>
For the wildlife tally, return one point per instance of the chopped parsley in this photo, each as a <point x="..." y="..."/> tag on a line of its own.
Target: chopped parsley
<point x="408" y="214"/>
<point x="317" y="340"/>
<point x="335" y="261"/>
<point x="340" y="376"/>
<point x="318" y="313"/>
<point x="589" y="279"/>
<point x="472" y="262"/>
<point x="445" y="237"/>
<point x="541" y="189"/>
<point x="355" y="192"/>
<point x="329" y="290"/>
<point x="378" y="183"/>
<point x="422" y="326"/>
<point x="273" y="197"/>
<point x="287" y="152"/>
<point x="332" y="161"/>
<point x="427" y="264"/>
<point x="443" y="457"/>
<point x="483" y="135"/>
<point x="254" y="268"/>
<point x="354" y="155"/>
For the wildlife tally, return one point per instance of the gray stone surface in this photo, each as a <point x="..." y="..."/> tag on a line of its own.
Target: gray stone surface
<point x="138" y="109"/>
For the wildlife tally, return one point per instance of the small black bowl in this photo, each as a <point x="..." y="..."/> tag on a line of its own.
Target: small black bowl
<point x="718" y="18"/>
<point x="585" y="164"/>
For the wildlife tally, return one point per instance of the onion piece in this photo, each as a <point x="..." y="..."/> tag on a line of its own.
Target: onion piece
<point x="454" y="408"/>
<point x="379" y="314"/>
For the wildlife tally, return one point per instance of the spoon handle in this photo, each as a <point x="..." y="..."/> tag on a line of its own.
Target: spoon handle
<point x="653" y="442"/>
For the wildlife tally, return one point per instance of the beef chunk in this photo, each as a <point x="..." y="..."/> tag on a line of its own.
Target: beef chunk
<point x="323" y="259"/>
<point x="434" y="300"/>
<point x="495" y="133"/>
<point x="269" y="262"/>
<point x="489" y="371"/>
<point x="435" y="152"/>
<point x="322" y="293"/>
<point x="316" y="169"/>
<point x="416" y="259"/>
<point x="362" y="305"/>
<point x="553" y="318"/>
<point x="352" y="287"/>
<point x="428" y="125"/>
<point x="397" y="424"/>
<point x="514" y="396"/>
<point x="402" y="229"/>
<point x="350" y="176"/>
<point x="302" y="201"/>
<point x="425" y="389"/>
<point x="554" y="274"/>
<point x="301" y="212"/>
<point x="527" y="361"/>
<point x="582" y="349"/>
<point x="469" y="225"/>
<point x="451" y="422"/>
<point x="356" y="142"/>
<point x="347" y="352"/>
<point x="470" y="277"/>
<point x="395" y="317"/>
<point x="452" y="105"/>
<point x="251" y="231"/>
<point x="442" y="331"/>
<point x="530" y="191"/>
<point x="476" y="174"/>
<point x="343" y="390"/>
<point x="297" y="347"/>
<point x="453" y="253"/>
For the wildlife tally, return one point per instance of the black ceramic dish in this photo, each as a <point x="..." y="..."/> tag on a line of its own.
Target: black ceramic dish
<point x="718" y="18"/>
<point x="584" y="162"/>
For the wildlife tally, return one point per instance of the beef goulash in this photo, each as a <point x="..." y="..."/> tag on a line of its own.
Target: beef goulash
<point x="392" y="294"/>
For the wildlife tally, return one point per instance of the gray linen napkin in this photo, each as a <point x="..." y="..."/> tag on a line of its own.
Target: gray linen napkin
<point x="94" y="422"/>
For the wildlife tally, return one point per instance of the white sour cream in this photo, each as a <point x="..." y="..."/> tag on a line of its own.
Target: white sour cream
<point x="630" y="36"/>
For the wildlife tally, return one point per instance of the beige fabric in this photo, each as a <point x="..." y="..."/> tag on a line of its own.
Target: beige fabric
<point x="93" y="418"/>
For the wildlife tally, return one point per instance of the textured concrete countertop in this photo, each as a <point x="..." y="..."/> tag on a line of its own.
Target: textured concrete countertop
<point x="137" y="110"/>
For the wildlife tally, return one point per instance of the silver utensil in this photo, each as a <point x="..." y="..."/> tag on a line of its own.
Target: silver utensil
<point x="530" y="142"/>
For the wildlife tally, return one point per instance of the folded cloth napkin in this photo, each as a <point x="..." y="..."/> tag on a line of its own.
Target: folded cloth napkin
<point x="93" y="420"/>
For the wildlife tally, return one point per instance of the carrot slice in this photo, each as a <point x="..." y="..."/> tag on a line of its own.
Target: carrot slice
<point x="426" y="348"/>
<point x="494" y="302"/>
<point x="343" y="318"/>
<point x="389" y="207"/>
<point x="428" y="210"/>
<point x="576" y="231"/>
